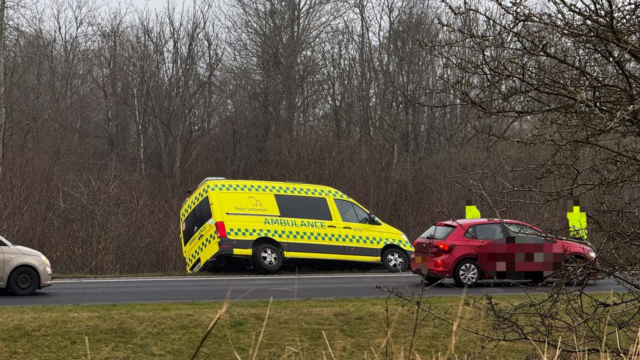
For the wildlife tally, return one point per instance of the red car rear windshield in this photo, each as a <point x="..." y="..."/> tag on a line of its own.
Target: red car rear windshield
<point x="438" y="232"/>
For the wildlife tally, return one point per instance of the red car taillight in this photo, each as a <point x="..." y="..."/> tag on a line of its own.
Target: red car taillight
<point x="444" y="247"/>
<point x="438" y="249"/>
<point x="221" y="230"/>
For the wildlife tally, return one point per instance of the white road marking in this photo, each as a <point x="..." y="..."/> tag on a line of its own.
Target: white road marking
<point x="245" y="294"/>
<point x="255" y="277"/>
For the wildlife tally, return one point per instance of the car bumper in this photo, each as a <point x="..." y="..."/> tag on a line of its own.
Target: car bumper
<point x="594" y="269"/>
<point x="224" y="247"/>
<point x="46" y="275"/>
<point x="424" y="265"/>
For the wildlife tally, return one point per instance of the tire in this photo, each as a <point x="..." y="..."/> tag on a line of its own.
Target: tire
<point x="267" y="258"/>
<point x="539" y="281"/>
<point x="574" y="272"/>
<point x="395" y="260"/>
<point x="467" y="273"/>
<point x="430" y="279"/>
<point x="24" y="281"/>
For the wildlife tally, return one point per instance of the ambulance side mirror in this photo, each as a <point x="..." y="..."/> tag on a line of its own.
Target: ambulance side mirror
<point x="373" y="220"/>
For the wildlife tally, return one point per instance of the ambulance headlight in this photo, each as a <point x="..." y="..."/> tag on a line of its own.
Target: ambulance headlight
<point x="405" y="237"/>
<point x="592" y="254"/>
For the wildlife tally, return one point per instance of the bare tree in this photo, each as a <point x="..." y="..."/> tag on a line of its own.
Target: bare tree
<point x="3" y="110"/>
<point x="560" y="81"/>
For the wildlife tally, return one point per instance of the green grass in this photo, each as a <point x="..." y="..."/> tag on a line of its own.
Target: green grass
<point x="354" y="328"/>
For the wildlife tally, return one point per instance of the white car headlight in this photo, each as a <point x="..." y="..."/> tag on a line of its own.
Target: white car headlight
<point x="46" y="261"/>
<point x="592" y="254"/>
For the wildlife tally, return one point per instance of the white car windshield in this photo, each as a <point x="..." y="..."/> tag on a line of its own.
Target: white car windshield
<point x="7" y="243"/>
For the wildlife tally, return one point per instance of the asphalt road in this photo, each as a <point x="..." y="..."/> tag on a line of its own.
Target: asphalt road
<point x="174" y="289"/>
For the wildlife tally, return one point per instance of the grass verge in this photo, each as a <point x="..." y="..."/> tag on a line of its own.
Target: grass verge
<point x="303" y="329"/>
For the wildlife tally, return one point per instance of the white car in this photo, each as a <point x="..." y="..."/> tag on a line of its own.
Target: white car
<point x="23" y="270"/>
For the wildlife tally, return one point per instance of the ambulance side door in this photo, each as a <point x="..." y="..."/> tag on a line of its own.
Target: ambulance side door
<point x="359" y="238"/>
<point x="310" y="228"/>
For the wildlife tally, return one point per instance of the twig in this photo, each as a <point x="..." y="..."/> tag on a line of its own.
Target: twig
<point x="418" y="307"/>
<point x="264" y="325"/>
<point x="222" y="310"/>
<point x="329" y="346"/>
<point x="86" y="340"/>
<point x="455" y="323"/>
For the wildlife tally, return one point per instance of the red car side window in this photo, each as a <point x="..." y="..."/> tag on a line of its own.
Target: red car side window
<point x="470" y="233"/>
<point x="489" y="231"/>
<point x="520" y="229"/>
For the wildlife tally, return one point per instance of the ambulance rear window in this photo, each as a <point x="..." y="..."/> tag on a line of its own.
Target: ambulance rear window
<point x="196" y="219"/>
<point x="303" y="207"/>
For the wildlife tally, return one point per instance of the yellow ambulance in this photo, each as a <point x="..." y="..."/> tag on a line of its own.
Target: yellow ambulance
<point x="270" y="222"/>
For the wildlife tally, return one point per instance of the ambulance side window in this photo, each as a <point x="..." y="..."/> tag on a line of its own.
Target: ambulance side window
<point x="363" y="216"/>
<point x="303" y="207"/>
<point x="351" y="213"/>
<point x="347" y="211"/>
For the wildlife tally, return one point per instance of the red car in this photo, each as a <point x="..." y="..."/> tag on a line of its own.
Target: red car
<point x="470" y="250"/>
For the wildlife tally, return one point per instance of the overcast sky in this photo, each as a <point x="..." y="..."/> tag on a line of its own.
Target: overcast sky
<point x="152" y="4"/>
<point x="156" y="4"/>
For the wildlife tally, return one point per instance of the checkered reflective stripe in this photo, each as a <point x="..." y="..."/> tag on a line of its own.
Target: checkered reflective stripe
<point x="273" y="189"/>
<point x="293" y="235"/>
<point x="279" y="189"/>
<point x="200" y="249"/>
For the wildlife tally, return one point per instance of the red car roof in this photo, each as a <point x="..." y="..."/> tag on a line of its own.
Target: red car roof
<point x="469" y="222"/>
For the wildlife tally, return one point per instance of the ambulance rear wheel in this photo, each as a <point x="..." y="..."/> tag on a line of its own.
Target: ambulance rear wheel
<point x="267" y="258"/>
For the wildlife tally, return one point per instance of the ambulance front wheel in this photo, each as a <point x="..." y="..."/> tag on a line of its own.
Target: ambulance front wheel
<point x="395" y="260"/>
<point x="267" y="258"/>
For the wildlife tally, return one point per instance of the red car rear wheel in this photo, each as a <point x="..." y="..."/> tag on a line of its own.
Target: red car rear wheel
<point x="467" y="273"/>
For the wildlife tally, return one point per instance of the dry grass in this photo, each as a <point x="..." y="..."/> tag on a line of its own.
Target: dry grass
<point x="307" y="329"/>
